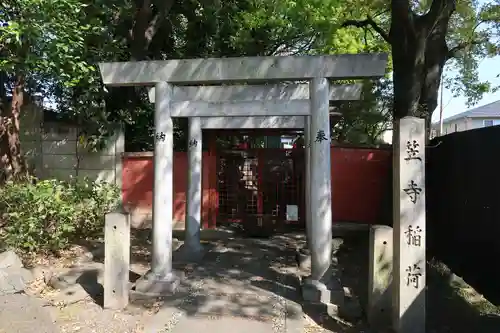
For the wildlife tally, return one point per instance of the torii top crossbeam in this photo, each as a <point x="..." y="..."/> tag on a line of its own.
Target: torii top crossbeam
<point x="243" y="69"/>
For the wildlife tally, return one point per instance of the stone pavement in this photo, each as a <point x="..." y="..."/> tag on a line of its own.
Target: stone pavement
<point x="244" y="284"/>
<point x="247" y="285"/>
<point x="21" y="313"/>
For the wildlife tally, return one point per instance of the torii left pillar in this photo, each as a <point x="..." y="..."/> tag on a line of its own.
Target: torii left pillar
<point x="192" y="250"/>
<point x="161" y="279"/>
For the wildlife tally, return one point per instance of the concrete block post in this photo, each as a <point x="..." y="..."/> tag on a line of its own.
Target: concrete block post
<point x="380" y="277"/>
<point x="409" y="226"/>
<point x="161" y="279"/>
<point x="116" y="260"/>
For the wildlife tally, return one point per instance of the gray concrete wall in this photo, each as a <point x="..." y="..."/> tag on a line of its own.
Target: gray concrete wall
<point x="53" y="150"/>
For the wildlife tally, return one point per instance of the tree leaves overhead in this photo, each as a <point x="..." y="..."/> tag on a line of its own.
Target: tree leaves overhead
<point x="57" y="44"/>
<point x="472" y="36"/>
<point x="84" y="33"/>
<point x="45" y="39"/>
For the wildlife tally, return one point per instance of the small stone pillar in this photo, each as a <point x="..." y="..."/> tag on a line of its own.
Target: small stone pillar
<point x="316" y="288"/>
<point x="192" y="249"/>
<point x="380" y="277"/>
<point x="116" y="260"/>
<point x="160" y="279"/>
<point x="409" y="225"/>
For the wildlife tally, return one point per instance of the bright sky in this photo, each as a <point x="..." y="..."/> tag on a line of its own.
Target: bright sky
<point x="488" y="70"/>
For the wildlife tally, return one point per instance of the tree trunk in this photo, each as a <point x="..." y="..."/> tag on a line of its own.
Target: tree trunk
<point x="419" y="53"/>
<point x="12" y="162"/>
<point x="436" y="55"/>
<point x="408" y="36"/>
<point x="147" y="22"/>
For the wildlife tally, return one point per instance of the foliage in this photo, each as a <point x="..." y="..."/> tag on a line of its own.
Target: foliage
<point x="196" y="29"/>
<point x="423" y="37"/>
<point x="365" y="121"/>
<point x="45" y="40"/>
<point x="59" y="50"/>
<point x="49" y="214"/>
<point x="473" y="36"/>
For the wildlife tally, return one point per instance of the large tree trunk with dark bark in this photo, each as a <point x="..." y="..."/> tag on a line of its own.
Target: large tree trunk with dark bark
<point x="148" y="18"/>
<point x="12" y="162"/>
<point x="419" y="53"/>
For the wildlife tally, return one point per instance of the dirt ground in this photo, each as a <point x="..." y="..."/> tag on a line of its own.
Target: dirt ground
<point x="452" y="305"/>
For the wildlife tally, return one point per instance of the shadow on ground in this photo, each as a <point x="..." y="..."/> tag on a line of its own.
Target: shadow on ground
<point x="247" y="278"/>
<point x="252" y="278"/>
<point x="258" y="279"/>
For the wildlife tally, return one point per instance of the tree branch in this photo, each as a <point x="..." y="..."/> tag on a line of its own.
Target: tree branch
<point x="369" y="22"/>
<point x="454" y="51"/>
<point x="441" y="8"/>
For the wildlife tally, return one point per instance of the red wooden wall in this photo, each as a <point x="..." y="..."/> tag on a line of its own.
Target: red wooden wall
<point x="359" y="184"/>
<point x="137" y="188"/>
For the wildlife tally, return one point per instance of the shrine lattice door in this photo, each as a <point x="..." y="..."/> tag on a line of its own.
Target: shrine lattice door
<point x="260" y="181"/>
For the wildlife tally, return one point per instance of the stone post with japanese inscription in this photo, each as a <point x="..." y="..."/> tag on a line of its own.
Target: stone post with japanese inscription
<point x="194" y="196"/>
<point x="161" y="279"/>
<point x="316" y="287"/>
<point x="161" y="263"/>
<point x="409" y="225"/>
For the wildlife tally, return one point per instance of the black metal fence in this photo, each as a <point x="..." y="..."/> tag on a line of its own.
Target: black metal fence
<point x="463" y="206"/>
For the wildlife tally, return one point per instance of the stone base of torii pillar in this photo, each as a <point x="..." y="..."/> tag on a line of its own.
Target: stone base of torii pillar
<point x="151" y="285"/>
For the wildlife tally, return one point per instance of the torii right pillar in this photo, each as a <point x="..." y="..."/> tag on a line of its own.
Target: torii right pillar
<point x="322" y="285"/>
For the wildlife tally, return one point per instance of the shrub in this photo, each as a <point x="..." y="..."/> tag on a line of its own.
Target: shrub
<point x="50" y="214"/>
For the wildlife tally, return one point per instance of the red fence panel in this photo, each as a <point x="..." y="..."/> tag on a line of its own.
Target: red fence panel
<point x="137" y="186"/>
<point x="359" y="185"/>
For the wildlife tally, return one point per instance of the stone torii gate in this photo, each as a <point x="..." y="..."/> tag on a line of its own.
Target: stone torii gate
<point x="298" y="96"/>
<point x="169" y="76"/>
